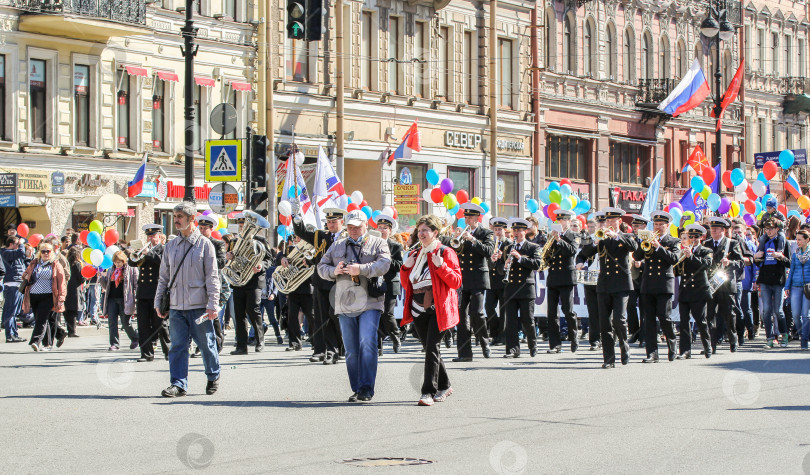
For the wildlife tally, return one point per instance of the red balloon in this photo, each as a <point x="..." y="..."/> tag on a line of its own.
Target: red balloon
<point x="769" y="169"/>
<point x="35" y="240"/>
<point x="749" y="192"/>
<point x="806" y="212"/>
<point x="727" y="179"/>
<point x="552" y="211"/>
<point x="372" y="223"/>
<point x="83" y="236"/>
<point x="216" y="235"/>
<point x="462" y="197"/>
<point x="88" y="272"/>
<point x="436" y="195"/>
<point x="709" y="175"/>
<point x="395" y="213"/>
<point x="363" y="204"/>
<point x="565" y="181"/>
<point x="782" y="209"/>
<point x="285" y="220"/>
<point x="460" y="214"/>
<point x="750" y="206"/>
<point x="352" y="207"/>
<point x="583" y="221"/>
<point x="111" y="237"/>
<point x="22" y="230"/>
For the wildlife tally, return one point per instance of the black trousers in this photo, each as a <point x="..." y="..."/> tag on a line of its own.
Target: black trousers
<point x="247" y="302"/>
<point x="70" y="320"/>
<point x="721" y="318"/>
<point x="388" y="324"/>
<point x="592" y="301"/>
<point x="298" y="303"/>
<point x="325" y="331"/>
<point x="495" y="311"/>
<point x="151" y="328"/>
<point x="613" y="323"/>
<point x="565" y="296"/>
<point x="698" y="311"/>
<point x="45" y="324"/>
<point x="471" y="320"/>
<point x="657" y="308"/>
<point x="520" y="313"/>
<point x="635" y="315"/>
<point x="427" y="329"/>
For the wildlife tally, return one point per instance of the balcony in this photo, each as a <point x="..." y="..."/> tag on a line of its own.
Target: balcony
<point x="796" y="91"/>
<point x="652" y="92"/>
<point x="92" y="20"/>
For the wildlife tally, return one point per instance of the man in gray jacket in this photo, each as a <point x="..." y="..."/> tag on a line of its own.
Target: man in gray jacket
<point x="357" y="264"/>
<point x="189" y="271"/>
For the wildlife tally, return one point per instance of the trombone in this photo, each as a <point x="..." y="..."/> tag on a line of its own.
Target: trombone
<point x="456" y="242"/>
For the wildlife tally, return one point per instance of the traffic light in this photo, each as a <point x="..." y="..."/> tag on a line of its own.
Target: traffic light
<point x="257" y="198"/>
<point x="258" y="161"/>
<point x="314" y="20"/>
<point x="296" y="16"/>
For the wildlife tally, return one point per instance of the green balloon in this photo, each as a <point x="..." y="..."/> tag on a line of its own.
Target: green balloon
<point x="555" y="196"/>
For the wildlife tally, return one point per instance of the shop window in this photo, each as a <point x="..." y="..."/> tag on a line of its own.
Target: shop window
<point x="394" y="48"/>
<point x="629" y="163"/>
<point x="123" y="109"/>
<point x="419" y="38"/>
<point x="470" y="67"/>
<point x="567" y="157"/>
<point x="508" y="191"/>
<point x="37" y="74"/>
<point x="411" y="174"/>
<point x="81" y="104"/>
<point x="158" y="115"/>
<point x="463" y="179"/>
<point x="505" y="73"/>
<point x="2" y="97"/>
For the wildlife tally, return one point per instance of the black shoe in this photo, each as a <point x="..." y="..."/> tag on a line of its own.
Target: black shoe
<point x="397" y="344"/>
<point x="239" y="352"/>
<point x="330" y="358"/>
<point x="512" y="355"/>
<point x="447" y="343"/>
<point x="671" y="350"/>
<point x="293" y="347"/>
<point x="280" y="340"/>
<point x="595" y="346"/>
<point x="487" y="352"/>
<point x="463" y="359"/>
<point x="533" y="352"/>
<point x="652" y="358"/>
<point x="733" y="348"/>
<point x="364" y="397"/>
<point x="212" y="387"/>
<point x="353" y="397"/>
<point x="73" y="335"/>
<point x="608" y="365"/>
<point x="625" y="358"/>
<point x="574" y="345"/>
<point x="60" y="340"/>
<point x="196" y="353"/>
<point x="259" y="348"/>
<point x="144" y="359"/>
<point x="554" y="350"/>
<point x="317" y="357"/>
<point x="173" y="391"/>
<point x="379" y="352"/>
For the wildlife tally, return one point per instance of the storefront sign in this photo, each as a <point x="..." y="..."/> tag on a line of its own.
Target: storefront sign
<point x="462" y="139"/>
<point x="760" y="158"/>
<point x="31" y="181"/>
<point x="629" y="199"/>
<point x="8" y="190"/>
<point x="406" y="208"/>
<point x="91" y="181"/>
<point x="179" y="191"/>
<point x="57" y="182"/>
<point x="510" y="145"/>
<point x="284" y="149"/>
<point x="80" y="79"/>
<point x="405" y="177"/>
<point x="223" y="198"/>
<point x="149" y="190"/>
<point x="403" y="191"/>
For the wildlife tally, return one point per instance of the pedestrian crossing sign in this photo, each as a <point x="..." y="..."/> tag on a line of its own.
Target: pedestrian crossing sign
<point x="223" y="160"/>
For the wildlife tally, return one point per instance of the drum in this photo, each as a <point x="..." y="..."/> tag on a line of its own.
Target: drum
<point x="587" y="277"/>
<point x="717" y="280"/>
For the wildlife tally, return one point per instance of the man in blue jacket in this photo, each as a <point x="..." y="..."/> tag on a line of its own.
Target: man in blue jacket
<point x="14" y="261"/>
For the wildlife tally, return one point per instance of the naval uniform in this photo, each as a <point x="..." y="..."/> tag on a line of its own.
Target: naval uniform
<point x="150" y="326"/>
<point x="560" y="281"/>
<point x="613" y="288"/>
<point x="657" y="288"/>
<point x="472" y="259"/>
<point x="591" y="263"/>
<point x="494" y="302"/>
<point x="247" y="300"/>
<point x="693" y="295"/>
<point x="388" y="323"/>
<point x="519" y="293"/>
<point x="299" y="300"/>
<point x="721" y="306"/>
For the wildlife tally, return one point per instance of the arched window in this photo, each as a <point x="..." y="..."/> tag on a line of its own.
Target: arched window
<point x="587" y="56"/>
<point x="664" y="71"/>
<point x="680" y="60"/>
<point x="647" y="56"/>
<point x="550" y="39"/>
<point x="629" y="57"/>
<point x="569" y="46"/>
<point x="610" y="52"/>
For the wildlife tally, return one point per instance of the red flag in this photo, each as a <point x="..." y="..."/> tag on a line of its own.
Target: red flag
<point x="698" y="160"/>
<point x="413" y="138"/>
<point x="731" y="93"/>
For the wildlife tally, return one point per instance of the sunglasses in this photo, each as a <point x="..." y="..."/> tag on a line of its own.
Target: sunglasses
<point x="44" y="251"/>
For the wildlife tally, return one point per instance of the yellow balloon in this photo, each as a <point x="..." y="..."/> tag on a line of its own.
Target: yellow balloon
<point x="96" y="226"/>
<point x="574" y="201"/>
<point x="86" y="255"/>
<point x="804" y="202"/>
<point x="705" y="193"/>
<point x="476" y="200"/>
<point x="223" y="222"/>
<point x="735" y="209"/>
<point x="673" y="230"/>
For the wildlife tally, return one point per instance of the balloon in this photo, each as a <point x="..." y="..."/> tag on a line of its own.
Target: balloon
<point x="454" y="210"/>
<point x="551" y="212"/>
<point x="735" y="209"/>
<point x="544" y="196"/>
<point x="532" y="205"/>
<point x="367" y="211"/>
<point x="476" y="201"/>
<point x="583" y="221"/>
<point x="363" y="204"/>
<point x="207" y="212"/>
<point x="485" y="206"/>
<point x="223" y="231"/>
<point x="449" y="201"/>
<point x="486" y="217"/>
<point x="22" y="230"/>
<point x="462" y="197"/>
<point x="447" y="186"/>
<point x="111" y="250"/>
<point x="111" y="237"/>
<point x="727" y="179"/>
<point x="432" y="177"/>
<point x="676" y="216"/>
<point x="88" y="272"/>
<point x="750" y="194"/>
<point x="357" y="197"/>
<point x="769" y="170"/>
<point x="459" y="215"/>
<point x="786" y="159"/>
<point x="86" y="255"/>
<point x="750" y="207"/>
<point x="574" y="201"/>
<point x="83" y="236"/>
<point x="426" y="194"/>
<point x="750" y="220"/>
<point x="565" y="190"/>
<point x="223" y="222"/>
<point x="759" y="208"/>
<point x="555" y="196"/>
<point x="285" y="208"/>
<point x="35" y="240"/>
<point x="804" y="202"/>
<point x="372" y="223"/>
<point x="395" y="213"/>
<point x="96" y="226"/>
<point x="436" y="195"/>
<point x="565" y="181"/>
<point x="282" y="232"/>
<point x="705" y="193"/>
<point x="96" y="257"/>
<point x="389" y="211"/>
<point x="698" y="184"/>
<point x="565" y="203"/>
<point x="673" y="230"/>
<point x="741" y="187"/>
<point x="675" y="205"/>
<point x="709" y="175"/>
<point x="352" y="207"/>
<point x="553" y="186"/>
<point x="725" y="205"/>
<point x="690" y="217"/>
<point x="585" y="205"/>
<point x="285" y="220"/>
<point x="106" y="263"/>
<point x="376" y="213"/>
<point x="737" y="176"/>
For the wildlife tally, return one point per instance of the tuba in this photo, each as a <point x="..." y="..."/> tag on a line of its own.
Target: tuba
<point x="247" y="252"/>
<point x="297" y="272"/>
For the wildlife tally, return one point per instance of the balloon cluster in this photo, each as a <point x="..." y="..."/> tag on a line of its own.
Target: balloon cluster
<point x="442" y="193"/>
<point x="556" y="196"/>
<point x="101" y="248"/>
<point x="222" y="224"/>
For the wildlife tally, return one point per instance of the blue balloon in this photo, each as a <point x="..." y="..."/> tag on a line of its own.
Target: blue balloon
<point x="532" y="205"/>
<point x="224" y="232"/>
<point x="737" y="176"/>
<point x="698" y="184"/>
<point x="584" y="206"/>
<point x="553" y="186"/>
<point x="565" y="190"/>
<point x="376" y="213"/>
<point x="793" y="212"/>
<point x="761" y="177"/>
<point x="94" y="241"/>
<point x="432" y="177"/>
<point x="454" y="210"/>
<point x="786" y="159"/>
<point x="544" y="197"/>
<point x="367" y="211"/>
<point x="759" y="208"/>
<point x="765" y="198"/>
<point x="676" y="215"/>
<point x="485" y="206"/>
<point x="714" y="201"/>
<point x="106" y="263"/>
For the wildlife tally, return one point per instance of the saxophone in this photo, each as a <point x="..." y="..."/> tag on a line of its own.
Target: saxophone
<point x="545" y="253"/>
<point x="247" y="252"/>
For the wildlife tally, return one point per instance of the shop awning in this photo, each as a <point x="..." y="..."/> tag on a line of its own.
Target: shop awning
<point x="201" y="81"/>
<point x="795" y="103"/>
<point x="104" y="204"/>
<point x="164" y="76"/>
<point x="136" y="71"/>
<point x="37" y="214"/>
<point x="241" y="86"/>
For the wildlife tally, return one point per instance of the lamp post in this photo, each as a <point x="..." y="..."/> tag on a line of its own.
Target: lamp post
<point x="192" y="131"/>
<point x="716" y="26"/>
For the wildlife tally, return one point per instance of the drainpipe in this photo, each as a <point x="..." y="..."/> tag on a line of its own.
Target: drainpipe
<point x="537" y="171"/>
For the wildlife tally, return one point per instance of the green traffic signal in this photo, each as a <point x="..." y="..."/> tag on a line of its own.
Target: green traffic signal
<point x="295" y="16"/>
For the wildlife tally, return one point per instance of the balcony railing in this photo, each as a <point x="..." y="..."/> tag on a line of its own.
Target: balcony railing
<point x="122" y="11"/>
<point x="653" y="91"/>
<point x="794" y="85"/>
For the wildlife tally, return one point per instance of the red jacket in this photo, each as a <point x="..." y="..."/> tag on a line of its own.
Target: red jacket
<point x="445" y="280"/>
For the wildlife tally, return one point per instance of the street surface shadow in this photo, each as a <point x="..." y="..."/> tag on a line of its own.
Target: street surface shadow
<point x="773" y="408"/>
<point x="74" y="396"/>
<point x="792" y="366"/>
<point x="290" y="404"/>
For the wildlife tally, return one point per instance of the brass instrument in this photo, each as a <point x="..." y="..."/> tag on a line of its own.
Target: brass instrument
<point x="545" y="253"/>
<point x="719" y="276"/>
<point x="138" y="255"/>
<point x="602" y="233"/>
<point x="248" y="252"/>
<point x="647" y="237"/>
<point x="289" y="278"/>
<point x="457" y="241"/>
<point x="415" y="247"/>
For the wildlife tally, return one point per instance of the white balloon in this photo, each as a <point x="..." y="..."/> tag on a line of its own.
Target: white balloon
<point x="426" y="195"/>
<point x="299" y="159"/>
<point x="389" y="211"/>
<point x="485" y="220"/>
<point x="759" y="188"/>
<point x="357" y="197"/>
<point x="96" y="257"/>
<point x="742" y="186"/>
<point x="451" y="218"/>
<point x="285" y="208"/>
<point x="740" y="196"/>
<point x="111" y="250"/>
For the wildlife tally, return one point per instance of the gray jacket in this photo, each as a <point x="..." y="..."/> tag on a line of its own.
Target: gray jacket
<point x="375" y="258"/>
<point x="197" y="283"/>
<point x="130" y="283"/>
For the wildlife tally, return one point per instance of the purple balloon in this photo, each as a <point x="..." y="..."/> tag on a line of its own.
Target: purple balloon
<point x="725" y="205"/>
<point x="447" y="186"/>
<point x="750" y="220"/>
<point x="545" y="211"/>
<point x="675" y="205"/>
<point x="207" y="212"/>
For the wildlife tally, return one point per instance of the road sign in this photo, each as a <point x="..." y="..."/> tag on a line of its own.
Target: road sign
<point x="223" y="160"/>
<point x="223" y="119"/>
<point x="223" y="198"/>
<point x="8" y="190"/>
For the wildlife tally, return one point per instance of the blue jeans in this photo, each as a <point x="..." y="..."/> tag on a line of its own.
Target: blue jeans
<point x="360" y="341"/>
<point x="268" y="306"/>
<point x="92" y="301"/>
<point x="800" y="305"/>
<point x="182" y="328"/>
<point x="748" y="314"/>
<point x="772" y="297"/>
<point x="11" y="309"/>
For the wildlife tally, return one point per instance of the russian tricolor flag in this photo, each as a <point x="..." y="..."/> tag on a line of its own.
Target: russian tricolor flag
<point x="792" y="185"/>
<point x="410" y="142"/>
<point x="690" y="92"/>
<point x="135" y="187"/>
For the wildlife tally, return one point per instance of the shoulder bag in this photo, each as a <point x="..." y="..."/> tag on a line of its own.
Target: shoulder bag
<point x="165" y="299"/>
<point x="376" y="285"/>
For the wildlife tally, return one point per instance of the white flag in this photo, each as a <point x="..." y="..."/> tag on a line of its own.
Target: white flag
<point x="329" y="192"/>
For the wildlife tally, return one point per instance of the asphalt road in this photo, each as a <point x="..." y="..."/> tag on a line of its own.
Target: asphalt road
<point x="80" y="409"/>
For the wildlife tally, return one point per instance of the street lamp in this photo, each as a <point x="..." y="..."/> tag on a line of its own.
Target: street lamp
<point x="717" y="26"/>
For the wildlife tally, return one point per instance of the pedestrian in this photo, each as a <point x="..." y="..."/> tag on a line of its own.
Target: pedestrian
<point x="269" y="299"/>
<point x="73" y="300"/>
<point x="299" y="302"/>
<point x="386" y="224"/>
<point x="430" y="276"/>
<point x="797" y="280"/>
<point x="150" y="326"/>
<point x="120" y="285"/>
<point x="188" y="272"/>
<point x="45" y="294"/>
<point x="16" y="258"/>
<point x="773" y="254"/>
<point x="357" y="264"/>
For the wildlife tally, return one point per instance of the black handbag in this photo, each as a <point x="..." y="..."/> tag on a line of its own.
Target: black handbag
<point x="165" y="299"/>
<point x="376" y="285"/>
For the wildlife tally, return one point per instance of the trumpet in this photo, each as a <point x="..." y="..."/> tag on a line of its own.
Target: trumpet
<point x="415" y="247"/>
<point x="138" y="255"/>
<point x="602" y="232"/>
<point x="456" y="242"/>
<point x="647" y="239"/>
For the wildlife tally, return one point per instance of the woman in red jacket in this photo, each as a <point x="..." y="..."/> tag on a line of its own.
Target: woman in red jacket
<point x="430" y="276"/>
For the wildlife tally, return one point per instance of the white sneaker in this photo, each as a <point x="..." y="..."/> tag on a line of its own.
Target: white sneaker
<point x="34" y="347"/>
<point x="45" y="348"/>
<point x="425" y="400"/>
<point x="441" y="396"/>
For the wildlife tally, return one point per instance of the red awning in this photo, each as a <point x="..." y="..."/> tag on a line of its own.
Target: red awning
<point x="136" y="71"/>
<point x="207" y="82"/>
<point x="168" y="77"/>
<point x="241" y="86"/>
